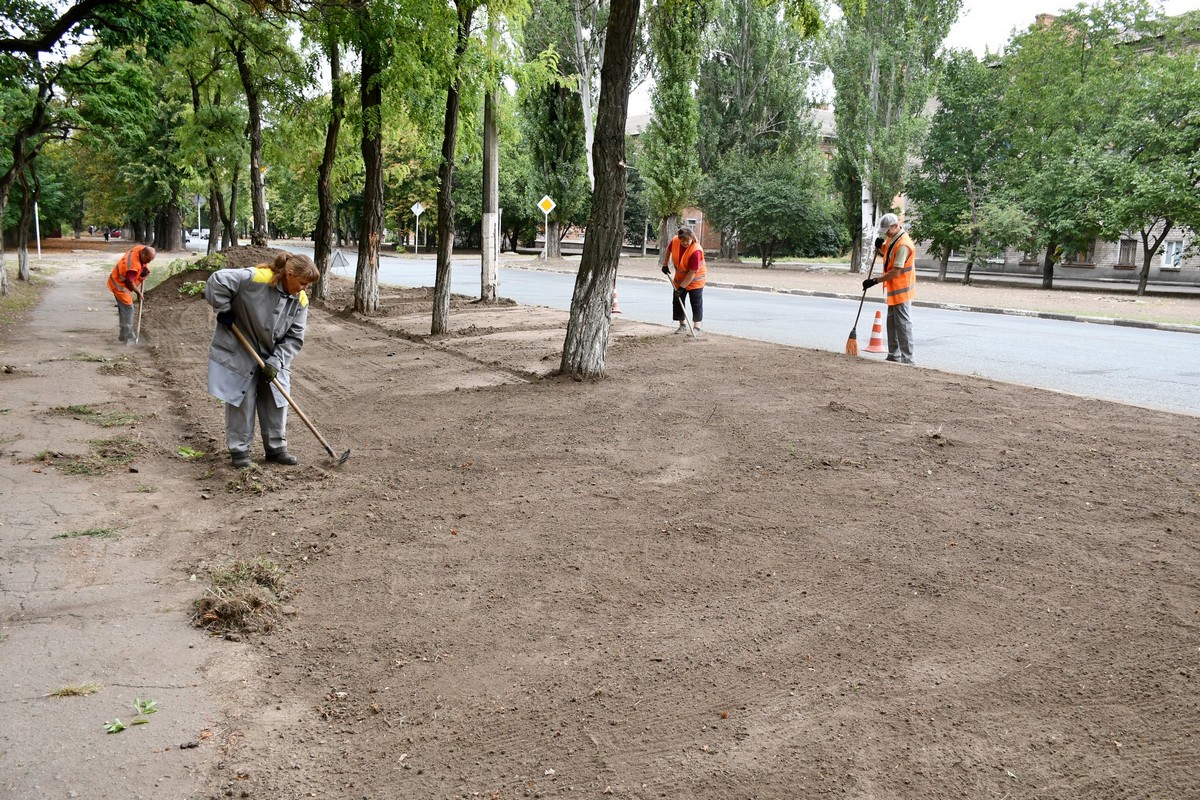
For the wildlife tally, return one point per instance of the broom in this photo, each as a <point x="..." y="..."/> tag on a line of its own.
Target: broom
<point x="852" y="340"/>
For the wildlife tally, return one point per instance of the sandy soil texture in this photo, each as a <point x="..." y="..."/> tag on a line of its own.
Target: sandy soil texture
<point x="728" y="570"/>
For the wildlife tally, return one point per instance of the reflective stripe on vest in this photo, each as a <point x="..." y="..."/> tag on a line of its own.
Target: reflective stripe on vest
<point x="121" y="272"/>
<point x="681" y="258"/>
<point x="902" y="287"/>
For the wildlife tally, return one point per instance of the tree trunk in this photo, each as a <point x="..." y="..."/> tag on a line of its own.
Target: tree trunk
<point x="366" y="273"/>
<point x="491" y="198"/>
<point x="585" y="93"/>
<point x="1149" y="250"/>
<point x="28" y="199"/>
<point x="867" y="226"/>
<point x="168" y="229"/>
<point x="553" y="238"/>
<point x="1048" y="266"/>
<point x="668" y="226"/>
<point x="944" y="262"/>
<point x="323" y="235"/>
<point x="258" y="197"/>
<point x="216" y="214"/>
<point x="590" y="323"/>
<point x="445" y="199"/>
<point x="729" y="246"/>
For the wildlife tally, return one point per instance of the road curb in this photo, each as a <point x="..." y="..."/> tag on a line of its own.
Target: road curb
<point x="1012" y="312"/>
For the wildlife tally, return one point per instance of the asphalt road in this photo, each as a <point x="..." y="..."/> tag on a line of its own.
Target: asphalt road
<point x="1138" y="366"/>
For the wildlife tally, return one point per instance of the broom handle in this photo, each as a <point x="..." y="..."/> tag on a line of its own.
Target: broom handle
<point x="275" y="382"/>
<point x="862" y="299"/>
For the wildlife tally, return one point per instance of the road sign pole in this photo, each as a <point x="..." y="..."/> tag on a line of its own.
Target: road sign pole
<point x="546" y="205"/>
<point x="417" y="209"/>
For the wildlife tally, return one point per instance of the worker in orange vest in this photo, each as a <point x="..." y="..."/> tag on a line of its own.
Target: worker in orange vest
<point x="125" y="281"/>
<point x="899" y="281"/>
<point x="685" y="253"/>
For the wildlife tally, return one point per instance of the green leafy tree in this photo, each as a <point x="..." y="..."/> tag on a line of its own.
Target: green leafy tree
<point x="554" y="122"/>
<point x="1150" y="163"/>
<point x="669" y="161"/>
<point x="458" y="75"/>
<point x="779" y="204"/>
<point x="957" y="174"/>
<point x="752" y="90"/>
<point x="1057" y="111"/>
<point x="883" y="57"/>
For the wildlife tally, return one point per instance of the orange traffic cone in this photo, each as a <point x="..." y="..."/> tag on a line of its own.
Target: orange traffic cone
<point x="616" y="309"/>
<point x="876" y="343"/>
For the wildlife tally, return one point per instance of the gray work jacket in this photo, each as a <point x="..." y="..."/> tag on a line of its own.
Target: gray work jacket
<point x="272" y="320"/>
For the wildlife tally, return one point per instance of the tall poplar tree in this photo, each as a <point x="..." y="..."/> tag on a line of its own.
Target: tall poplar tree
<point x="883" y="57"/>
<point x="669" y="161"/>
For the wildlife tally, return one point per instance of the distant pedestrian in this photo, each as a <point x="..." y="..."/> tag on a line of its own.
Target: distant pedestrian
<point x="125" y="281"/>
<point x="899" y="281"/>
<point x="106" y="234"/>
<point x="686" y="255"/>
<point x="270" y="308"/>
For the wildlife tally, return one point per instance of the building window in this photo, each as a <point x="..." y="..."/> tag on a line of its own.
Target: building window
<point x="1082" y="258"/>
<point x="1127" y="254"/>
<point x="1030" y="256"/>
<point x="1172" y="255"/>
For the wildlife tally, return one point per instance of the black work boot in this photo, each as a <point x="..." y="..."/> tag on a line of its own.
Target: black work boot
<point x="281" y="456"/>
<point x="240" y="458"/>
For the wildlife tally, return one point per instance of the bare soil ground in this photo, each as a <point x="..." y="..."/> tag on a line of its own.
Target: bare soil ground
<point x="728" y="570"/>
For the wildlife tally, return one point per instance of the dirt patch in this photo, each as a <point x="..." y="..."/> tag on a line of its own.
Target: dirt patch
<point x="249" y="255"/>
<point x="730" y="569"/>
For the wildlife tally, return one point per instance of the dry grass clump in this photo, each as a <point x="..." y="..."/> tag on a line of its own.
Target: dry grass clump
<point x="244" y="598"/>
<point x="106" y="455"/>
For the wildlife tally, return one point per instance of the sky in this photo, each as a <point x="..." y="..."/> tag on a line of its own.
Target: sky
<point x="990" y="23"/>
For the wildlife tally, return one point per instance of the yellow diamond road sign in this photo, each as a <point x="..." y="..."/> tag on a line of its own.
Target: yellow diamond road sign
<point x="546" y="204"/>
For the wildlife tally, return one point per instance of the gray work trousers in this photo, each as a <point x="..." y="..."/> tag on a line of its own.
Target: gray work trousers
<point x="239" y="420"/>
<point x="899" y="333"/>
<point x="124" y="322"/>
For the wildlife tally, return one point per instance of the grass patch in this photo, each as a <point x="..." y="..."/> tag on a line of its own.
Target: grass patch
<point x="94" y="533"/>
<point x="105" y="456"/>
<point x="111" y="420"/>
<point x="22" y="296"/>
<point x="76" y="690"/>
<point x="254" y="480"/>
<point x="90" y="358"/>
<point x="116" y="420"/>
<point x="190" y="453"/>
<point x="146" y="488"/>
<point x="244" y="598"/>
<point x="82" y="411"/>
<point x="118" y="366"/>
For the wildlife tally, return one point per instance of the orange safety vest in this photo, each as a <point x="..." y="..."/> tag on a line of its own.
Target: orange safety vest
<point x="129" y="271"/>
<point x="682" y="258"/>
<point x="901" y="286"/>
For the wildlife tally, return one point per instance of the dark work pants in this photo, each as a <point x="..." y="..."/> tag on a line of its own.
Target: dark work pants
<point x="696" y="298"/>
<point x="900" y="333"/>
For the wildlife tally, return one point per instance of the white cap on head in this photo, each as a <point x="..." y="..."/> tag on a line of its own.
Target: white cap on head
<point x="887" y="221"/>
